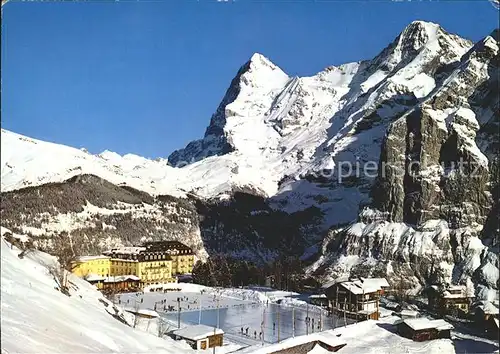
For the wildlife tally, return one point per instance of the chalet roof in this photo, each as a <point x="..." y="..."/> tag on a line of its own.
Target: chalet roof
<point x="197" y="332"/>
<point x="334" y="281"/>
<point x="418" y="324"/>
<point x="409" y="313"/>
<point x="327" y="337"/>
<point x="449" y="293"/>
<point x="316" y="296"/>
<point x="358" y="287"/>
<point x="381" y="282"/>
<point x="94" y="277"/>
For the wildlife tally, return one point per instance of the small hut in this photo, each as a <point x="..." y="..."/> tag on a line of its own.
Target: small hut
<point x="199" y="336"/>
<point x="422" y="329"/>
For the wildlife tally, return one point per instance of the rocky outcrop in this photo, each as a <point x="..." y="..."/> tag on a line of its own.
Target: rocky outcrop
<point x="431" y="217"/>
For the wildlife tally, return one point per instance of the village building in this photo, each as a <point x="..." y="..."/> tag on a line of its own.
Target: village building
<point x="182" y="256"/>
<point x="92" y="265"/>
<point x="450" y="299"/>
<point x="357" y="299"/>
<point x="120" y="283"/>
<point x="422" y="329"/>
<point x="150" y="266"/>
<point x="199" y="337"/>
<point x="153" y="263"/>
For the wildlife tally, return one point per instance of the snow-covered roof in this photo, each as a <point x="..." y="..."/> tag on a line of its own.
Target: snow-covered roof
<point x="334" y="281"/>
<point x="196" y="332"/>
<point x="367" y="312"/>
<point x="321" y="296"/>
<point x="358" y="287"/>
<point x="381" y="282"/>
<point x="91" y="258"/>
<point x="318" y="349"/>
<point x="462" y="294"/>
<point x="418" y="324"/>
<point x="327" y="337"/>
<point x="127" y="250"/>
<point x="120" y="278"/>
<point x="392" y="305"/>
<point x="94" y="277"/>
<point x="144" y="312"/>
<point x="409" y="313"/>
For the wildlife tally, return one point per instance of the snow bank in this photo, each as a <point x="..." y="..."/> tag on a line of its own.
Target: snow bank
<point x="37" y="318"/>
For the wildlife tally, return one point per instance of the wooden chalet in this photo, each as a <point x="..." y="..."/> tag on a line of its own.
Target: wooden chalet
<point x="199" y="337"/>
<point x="454" y="297"/>
<point x="120" y="283"/>
<point x="357" y="299"/>
<point x="422" y="329"/>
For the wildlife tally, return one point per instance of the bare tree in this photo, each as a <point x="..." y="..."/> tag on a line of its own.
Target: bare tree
<point x="66" y="262"/>
<point x="163" y="327"/>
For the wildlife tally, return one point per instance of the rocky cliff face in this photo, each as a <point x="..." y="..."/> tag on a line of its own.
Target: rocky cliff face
<point x="431" y="218"/>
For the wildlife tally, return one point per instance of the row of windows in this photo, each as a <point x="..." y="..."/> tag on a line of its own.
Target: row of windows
<point x="157" y="256"/>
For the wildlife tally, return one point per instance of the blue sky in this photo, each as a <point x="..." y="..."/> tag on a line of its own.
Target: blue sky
<point x="145" y="77"/>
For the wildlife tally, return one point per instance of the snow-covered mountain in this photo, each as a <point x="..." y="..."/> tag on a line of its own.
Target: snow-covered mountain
<point x="323" y="146"/>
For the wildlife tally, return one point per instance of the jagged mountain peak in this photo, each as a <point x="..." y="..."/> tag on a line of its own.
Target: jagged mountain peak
<point x="419" y="32"/>
<point x="258" y="60"/>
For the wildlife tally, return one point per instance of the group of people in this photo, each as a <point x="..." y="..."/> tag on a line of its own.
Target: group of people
<point x="310" y="320"/>
<point x="254" y="333"/>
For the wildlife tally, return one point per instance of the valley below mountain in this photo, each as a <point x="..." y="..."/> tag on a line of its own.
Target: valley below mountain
<point x="383" y="167"/>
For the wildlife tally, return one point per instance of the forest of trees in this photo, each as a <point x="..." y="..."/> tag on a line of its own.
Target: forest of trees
<point x="219" y="270"/>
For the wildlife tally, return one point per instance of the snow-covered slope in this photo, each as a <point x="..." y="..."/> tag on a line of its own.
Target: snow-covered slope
<point x="37" y="318"/>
